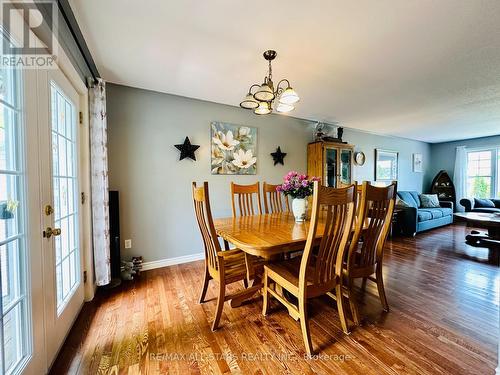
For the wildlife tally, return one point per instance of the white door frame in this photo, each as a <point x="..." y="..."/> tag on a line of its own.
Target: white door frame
<point x="38" y="362"/>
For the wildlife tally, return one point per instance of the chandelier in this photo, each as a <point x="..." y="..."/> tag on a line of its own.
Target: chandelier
<point x="263" y="98"/>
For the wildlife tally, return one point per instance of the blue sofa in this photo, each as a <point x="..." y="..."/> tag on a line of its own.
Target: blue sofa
<point x="480" y="205"/>
<point x="416" y="219"/>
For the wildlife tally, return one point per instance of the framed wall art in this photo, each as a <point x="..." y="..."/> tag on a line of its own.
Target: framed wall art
<point x="234" y="149"/>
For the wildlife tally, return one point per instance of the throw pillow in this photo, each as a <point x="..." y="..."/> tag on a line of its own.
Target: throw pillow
<point x="429" y="200"/>
<point x="483" y="203"/>
<point x="401" y="203"/>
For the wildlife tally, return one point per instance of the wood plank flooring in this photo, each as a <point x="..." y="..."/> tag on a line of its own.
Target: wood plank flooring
<point x="444" y="319"/>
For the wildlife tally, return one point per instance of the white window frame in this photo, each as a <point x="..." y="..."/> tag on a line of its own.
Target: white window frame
<point x="495" y="168"/>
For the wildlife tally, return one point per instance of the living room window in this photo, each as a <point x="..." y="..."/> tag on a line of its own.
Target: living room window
<point x="483" y="173"/>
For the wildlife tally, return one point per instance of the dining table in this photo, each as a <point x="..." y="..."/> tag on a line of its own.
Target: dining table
<point x="266" y="236"/>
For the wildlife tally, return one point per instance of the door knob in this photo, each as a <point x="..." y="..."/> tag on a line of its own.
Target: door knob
<point x="49" y="232"/>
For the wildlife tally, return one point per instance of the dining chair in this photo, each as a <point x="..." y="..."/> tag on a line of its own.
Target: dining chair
<point x="313" y="275"/>
<point x="366" y="250"/>
<point x="274" y="201"/>
<point x="244" y="195"/>
<point x="225" y="267"/>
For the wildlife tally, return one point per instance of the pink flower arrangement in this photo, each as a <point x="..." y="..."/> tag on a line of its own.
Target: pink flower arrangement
<point x="297" y="185"/>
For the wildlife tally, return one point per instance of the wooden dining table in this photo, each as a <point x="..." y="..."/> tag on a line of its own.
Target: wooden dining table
<point x="265" y="236"/>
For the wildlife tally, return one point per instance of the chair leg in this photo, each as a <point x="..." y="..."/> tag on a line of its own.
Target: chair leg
<point x="380" y="287"/>
<point x="204" y="288"/>
<point x="220" y="305"/>
<point x="340" y="307"/>
<point x="304" y="325"/>
<point x="363" y="283"/>
<point x="352" y="302"/>
<point x="265" y="294"/>
<point x="245" y="283"/>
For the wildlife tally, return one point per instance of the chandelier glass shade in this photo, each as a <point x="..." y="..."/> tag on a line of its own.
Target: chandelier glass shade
<point x="260" y="98"/>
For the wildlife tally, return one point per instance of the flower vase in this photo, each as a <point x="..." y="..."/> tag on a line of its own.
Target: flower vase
<point x="299" y="209"/>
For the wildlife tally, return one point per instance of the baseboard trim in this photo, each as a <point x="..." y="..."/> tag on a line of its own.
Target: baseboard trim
<point x="172" y="261"/>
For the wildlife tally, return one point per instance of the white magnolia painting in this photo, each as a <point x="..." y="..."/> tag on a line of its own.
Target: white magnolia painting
<point x="234" y="149"/>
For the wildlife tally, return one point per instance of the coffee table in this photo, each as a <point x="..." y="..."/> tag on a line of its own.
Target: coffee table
<point x="488" y="221"/>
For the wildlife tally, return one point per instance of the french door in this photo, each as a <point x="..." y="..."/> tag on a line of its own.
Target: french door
<point x="61" y="245"/>
<point x="16" y="332"/>
<point x="40" y="221"/>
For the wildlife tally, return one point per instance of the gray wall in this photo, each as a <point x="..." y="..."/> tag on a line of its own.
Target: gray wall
<point x="155" y="187"/>
<point x="407" y="179"/>
<point x="155" y="197"/>
<point x="443" y="154"/>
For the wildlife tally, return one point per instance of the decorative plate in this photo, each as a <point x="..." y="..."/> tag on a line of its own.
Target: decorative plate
<point x="359" y="158"/>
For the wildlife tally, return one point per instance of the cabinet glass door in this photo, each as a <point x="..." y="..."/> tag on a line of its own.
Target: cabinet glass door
<point x="330" y="167"/>
<point x="345" y="166"/>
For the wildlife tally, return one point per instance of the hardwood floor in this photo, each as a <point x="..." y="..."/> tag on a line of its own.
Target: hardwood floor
<point x="444" y="319"/>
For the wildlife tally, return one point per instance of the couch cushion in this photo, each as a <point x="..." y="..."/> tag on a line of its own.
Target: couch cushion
<point x="478" y="203"/>
<point x="436" y="213"/>
<point x="496" y="202"/>
<point x="411" y="199"/>
<point x="446" y="211"/>
<point x="424" y="215"/>
<point x="401" y="203"/>
<point x="416" y="198"/>
<point x="486" y="209"/>
<point x="429" y="200"/>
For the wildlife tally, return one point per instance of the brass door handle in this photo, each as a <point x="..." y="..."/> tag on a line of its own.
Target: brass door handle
<point x="49" y="232"/>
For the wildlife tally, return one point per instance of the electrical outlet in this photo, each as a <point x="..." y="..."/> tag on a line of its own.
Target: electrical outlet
<point x="128" y="244"/>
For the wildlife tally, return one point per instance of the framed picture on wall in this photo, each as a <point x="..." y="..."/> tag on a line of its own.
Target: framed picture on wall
<point x="386" y="165"/>
<point x="234" y="149"/>
<point x="417" y="162"/>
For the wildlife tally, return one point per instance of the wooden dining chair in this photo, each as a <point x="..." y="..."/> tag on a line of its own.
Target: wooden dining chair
<point x="313" y="275"/>
<point x="225" y="267"/>
<point x="274" y="201"/>
<point x="366" y="250"/>
<point x="244" y="194"/>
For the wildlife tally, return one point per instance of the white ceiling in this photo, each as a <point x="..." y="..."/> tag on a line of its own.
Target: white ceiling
<point x="426" y="70"/>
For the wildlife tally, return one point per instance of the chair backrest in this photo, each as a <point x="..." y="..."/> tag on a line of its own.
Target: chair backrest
<point x="337" y="213"/>
<point x="205" y="223"/>
<point x="244" y="195"/>
<point x="274" y="201"/>
<point x="359" y="190"/>
<point x="375" y="210"/>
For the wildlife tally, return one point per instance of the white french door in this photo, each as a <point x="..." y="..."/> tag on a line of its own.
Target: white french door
<point x="59" y="150"/>
<point x="13" y="227"/>
<point x="41" y="263"/>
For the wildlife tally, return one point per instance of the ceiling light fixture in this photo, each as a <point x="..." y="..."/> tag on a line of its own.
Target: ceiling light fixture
<point x="260" y="98"/>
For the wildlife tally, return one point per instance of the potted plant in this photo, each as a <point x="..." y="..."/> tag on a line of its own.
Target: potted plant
<point x="299" y="187"/>
<point x="7" y="209"/>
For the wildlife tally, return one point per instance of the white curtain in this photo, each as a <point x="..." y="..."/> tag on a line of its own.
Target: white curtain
<point x="99" y="168"/>
<point x="460" y="175"/>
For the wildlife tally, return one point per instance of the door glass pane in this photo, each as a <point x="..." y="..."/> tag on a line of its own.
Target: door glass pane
<point x="65" y="195"/>
<point x="345" y="166"/>
<point x="15" y="322"/>
<point x="331" y="167"/>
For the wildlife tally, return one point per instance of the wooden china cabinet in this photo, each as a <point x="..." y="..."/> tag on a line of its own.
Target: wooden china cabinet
<point x="331" y="161"/>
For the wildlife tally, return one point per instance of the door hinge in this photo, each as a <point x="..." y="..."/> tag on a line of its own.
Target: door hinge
<point x="83" y="197"/>
<point x="80" y="116"/>
<point x="84" y="277"/>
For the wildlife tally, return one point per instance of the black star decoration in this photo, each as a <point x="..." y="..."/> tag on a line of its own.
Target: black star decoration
<point x="278" y="156"/>
<point x="187" y="149"/>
